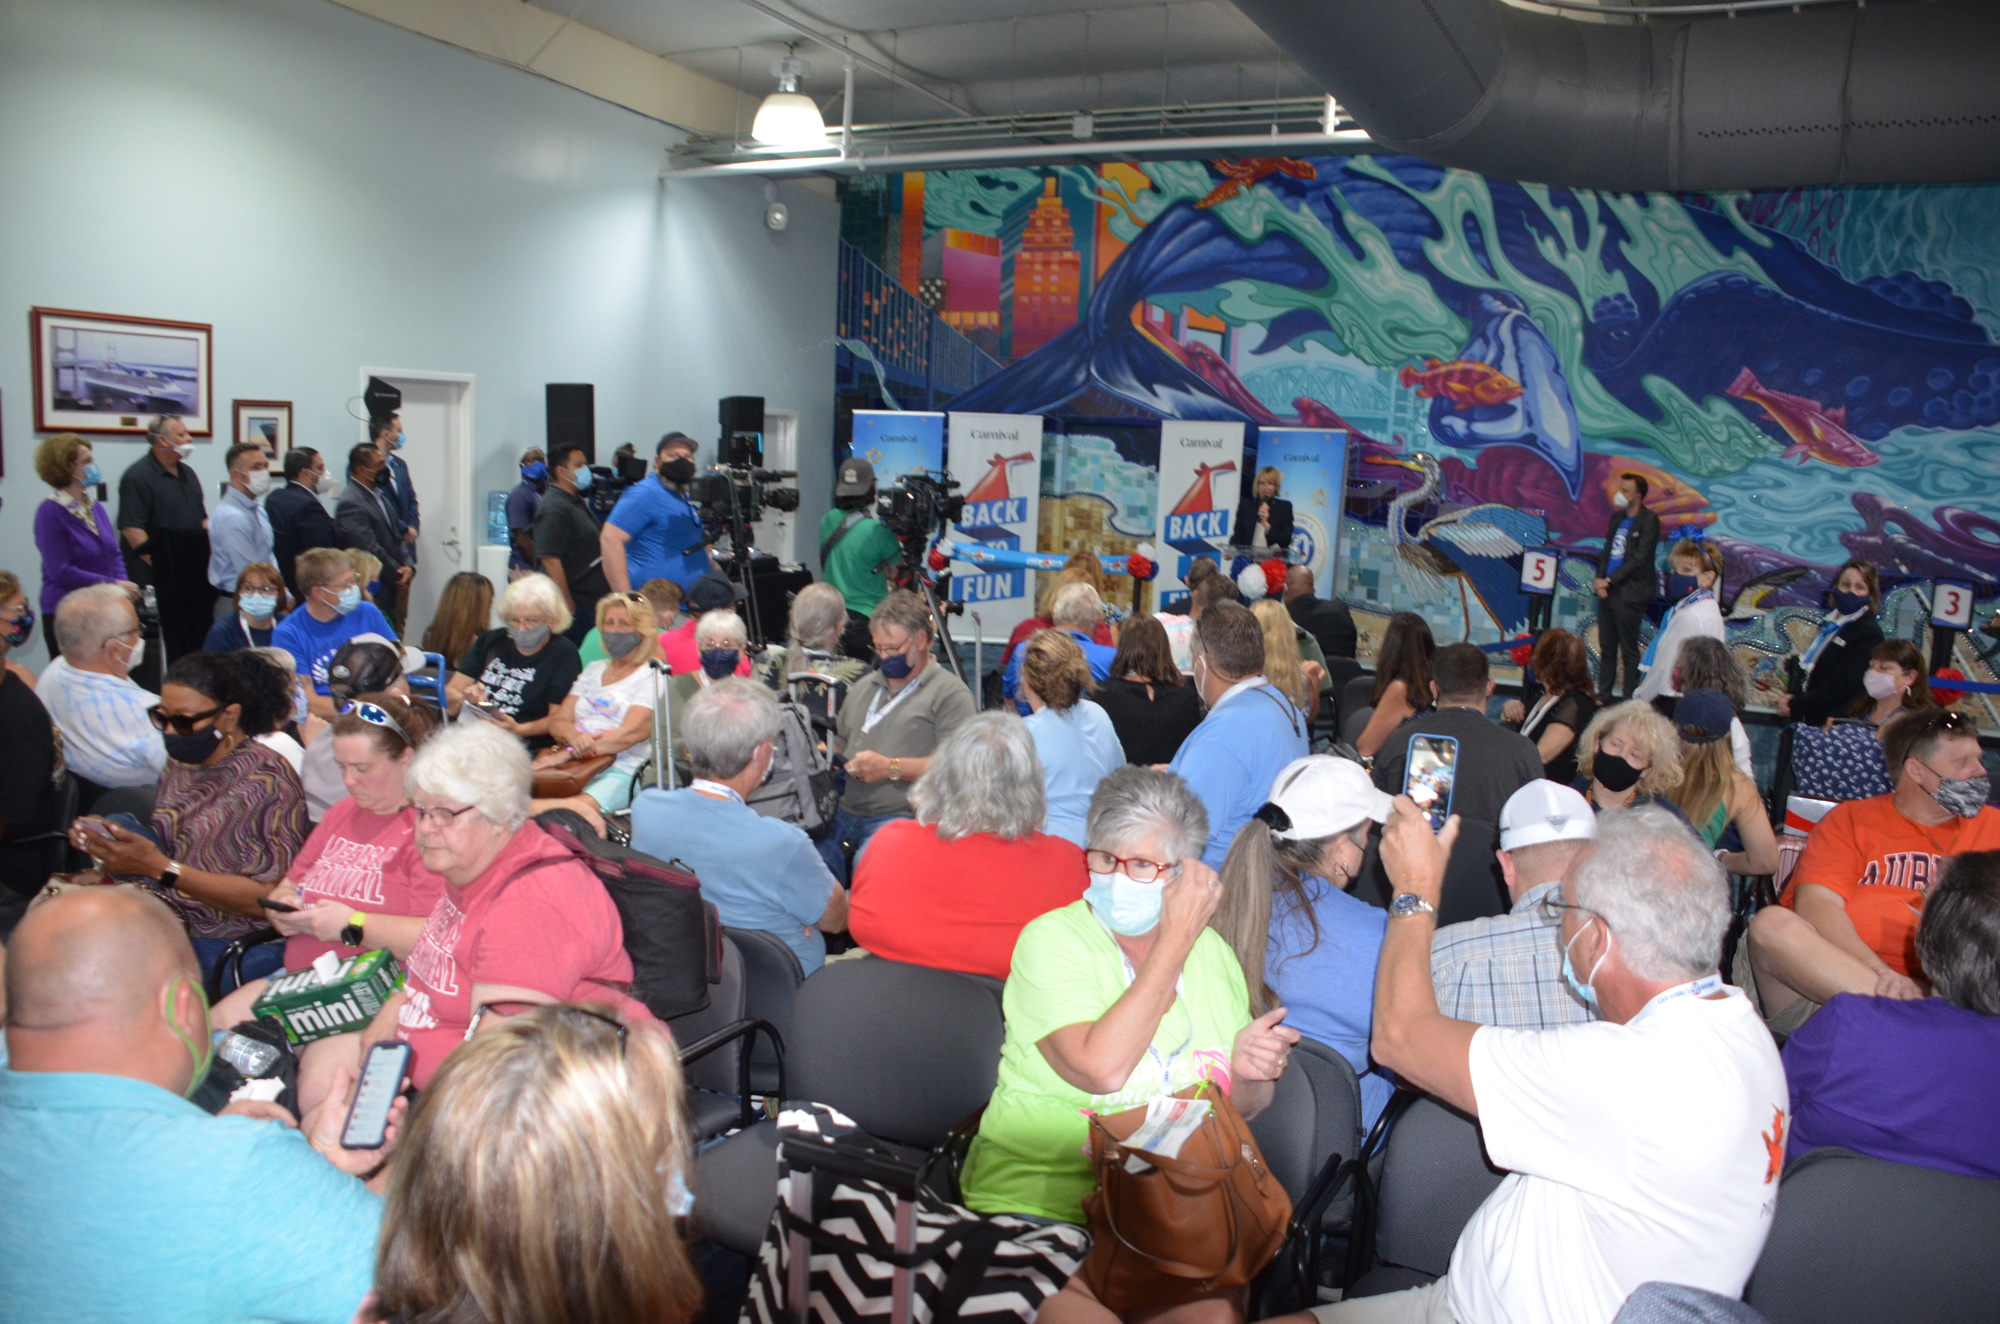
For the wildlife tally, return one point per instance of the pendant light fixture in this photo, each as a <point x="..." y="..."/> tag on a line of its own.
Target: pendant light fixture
<point x="788" y="117"/>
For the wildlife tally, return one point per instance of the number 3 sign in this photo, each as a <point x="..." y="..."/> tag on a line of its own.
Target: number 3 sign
<point x="1951" y="605"/>
<point x="1538" y="570"/>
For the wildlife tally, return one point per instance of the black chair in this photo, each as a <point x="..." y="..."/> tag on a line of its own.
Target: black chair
<point x="718" y="1093"/>
<point x="909" y="1053"/>
<point x="1863" y="1239"/>
<point x="1356" y="694"/>
<point x="1343" y="671"/>
<point x="134" y="800"/>
<point x="1310" y="1136"/>
<point x="997" y="987"/>
<point x="1434" y="1175"/>
<point x="771" y="978"/>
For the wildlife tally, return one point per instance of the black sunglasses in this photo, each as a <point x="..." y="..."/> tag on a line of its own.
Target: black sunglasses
<point x="624" y="1031"/>
<point x="181" y="724"/>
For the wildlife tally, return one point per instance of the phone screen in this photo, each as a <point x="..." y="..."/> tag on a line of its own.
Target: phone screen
<point x="1427" y="780"/>
<point x="484" y="712"/>
<point x="381" y="1081"/>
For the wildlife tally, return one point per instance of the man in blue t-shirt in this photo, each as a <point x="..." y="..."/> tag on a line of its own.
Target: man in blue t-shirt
<point x="1251" y="732"/>
<point x="119" y="1199"/>
<point x="653" y="532"/>
<point x="330" y="613"/>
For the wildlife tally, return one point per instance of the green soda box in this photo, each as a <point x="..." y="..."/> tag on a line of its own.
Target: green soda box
<point x="307" y="1007"/>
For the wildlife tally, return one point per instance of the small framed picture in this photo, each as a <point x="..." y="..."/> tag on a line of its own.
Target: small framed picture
<point x="1538" y="569"/>
<point x="105" y="372"/>
<point x="268" y="423"/>
<point x="1951" y="605"/>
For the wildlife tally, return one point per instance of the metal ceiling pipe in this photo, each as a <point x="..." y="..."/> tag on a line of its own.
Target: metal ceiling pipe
<point x="1886" y="93"/>
<point x="1340" y="142"/>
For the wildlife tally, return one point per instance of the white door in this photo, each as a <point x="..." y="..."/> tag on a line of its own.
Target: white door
<point x="437" y="445"/>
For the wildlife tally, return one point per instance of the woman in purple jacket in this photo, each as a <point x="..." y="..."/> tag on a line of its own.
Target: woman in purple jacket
<point x="73" y="530"/>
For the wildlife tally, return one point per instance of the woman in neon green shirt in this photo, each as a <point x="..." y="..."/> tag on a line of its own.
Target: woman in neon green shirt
<point x="1111" y="1001"/>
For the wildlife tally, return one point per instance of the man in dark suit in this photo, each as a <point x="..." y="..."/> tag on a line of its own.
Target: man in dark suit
<point x="1263" y="519"/>
<point x="1625" y="583"/>
<point x="298" y="521"/>
<point x="387" y="434"/>
<point x="368" y="522"/>
<point x="1327" y="620"/>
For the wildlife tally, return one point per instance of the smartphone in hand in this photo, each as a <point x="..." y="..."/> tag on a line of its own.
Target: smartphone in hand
<point x="382" y="1077"/>
<point x="1428" y="775"/>
<point x="279" y="906"/>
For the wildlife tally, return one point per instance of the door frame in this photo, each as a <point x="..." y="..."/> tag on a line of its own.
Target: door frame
<point x="459" y="459"/>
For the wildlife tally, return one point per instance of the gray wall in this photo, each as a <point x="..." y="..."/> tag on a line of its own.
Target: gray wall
<point x="330" y="191"/>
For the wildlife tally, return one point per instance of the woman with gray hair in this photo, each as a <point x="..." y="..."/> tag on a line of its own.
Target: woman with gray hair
<point x="521" y="922"/>
<point x="952" y="888"/>
<point x="819" y="615"/>
<point x="1113" y="1001"/>
<point x="723" y="642"/>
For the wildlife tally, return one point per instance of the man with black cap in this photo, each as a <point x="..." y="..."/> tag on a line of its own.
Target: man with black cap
<point x="654" y="532"/>
<point x="856" y="550"/>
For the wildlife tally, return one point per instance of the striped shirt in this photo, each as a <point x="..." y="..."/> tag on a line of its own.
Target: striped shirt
<point x="107" y="736"/>
<point x="1506" y="969"/>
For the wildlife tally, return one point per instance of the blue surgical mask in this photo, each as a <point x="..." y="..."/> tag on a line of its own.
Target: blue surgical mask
<point x="895" y="666"/>
<point x="92" y="474"/>
<point x="719" y="662"/>
<point x="1679" y="586"/>
<point x="257" y="606"/>
<point x="398" y="444"/>
<point x="535" y="472"/>
<point x="374" y="587"/>
<point x="581" y="478"/>
<point x="1127" y="908"/>
<point x="1586" y="992"/>
<point x="350" y="598"/>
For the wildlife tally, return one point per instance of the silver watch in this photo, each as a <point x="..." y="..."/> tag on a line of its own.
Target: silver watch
<point x="1409" y="903"/>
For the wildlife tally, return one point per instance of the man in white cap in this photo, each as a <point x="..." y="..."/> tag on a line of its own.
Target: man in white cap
<point x="1507" y="969"/>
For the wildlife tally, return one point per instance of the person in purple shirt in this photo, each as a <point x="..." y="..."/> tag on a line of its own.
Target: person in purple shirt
<point x="1914" y="1081"/>
<point x="73" y="531"/>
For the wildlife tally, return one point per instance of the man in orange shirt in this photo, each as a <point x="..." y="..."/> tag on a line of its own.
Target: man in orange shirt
<point x="1848" y="923"/>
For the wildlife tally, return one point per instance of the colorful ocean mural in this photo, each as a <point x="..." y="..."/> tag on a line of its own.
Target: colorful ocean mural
<point x="1805" y="375"/>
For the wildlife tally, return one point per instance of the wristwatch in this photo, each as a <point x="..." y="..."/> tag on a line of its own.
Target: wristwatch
<point x="895" y="770"/>
<point x="1409" y="903"/>
<point x="350" y="935"/>
<point x="171" y="874"/>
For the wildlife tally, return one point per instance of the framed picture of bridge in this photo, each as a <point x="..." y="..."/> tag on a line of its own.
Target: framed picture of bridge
<point x="104" y="372"/>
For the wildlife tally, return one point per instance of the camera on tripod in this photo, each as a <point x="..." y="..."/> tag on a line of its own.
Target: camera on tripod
<point x="739" y="488"/>
<point x="608" y="482"/>
<point x="918" y="505"/>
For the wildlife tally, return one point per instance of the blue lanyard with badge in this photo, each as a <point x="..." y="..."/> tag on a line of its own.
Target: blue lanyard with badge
<point x="874" y="718"/>
<point x="1694" y="988"/>
<point x="1166" y="1062"/>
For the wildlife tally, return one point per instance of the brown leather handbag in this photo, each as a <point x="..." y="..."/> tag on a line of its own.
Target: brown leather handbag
<point x="562" y="780"/>
<point x="1180" y="1228"/>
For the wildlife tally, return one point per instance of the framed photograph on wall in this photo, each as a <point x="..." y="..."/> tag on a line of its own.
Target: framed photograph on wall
<point x="104" y="372"/>
<point x="266" y="422"/>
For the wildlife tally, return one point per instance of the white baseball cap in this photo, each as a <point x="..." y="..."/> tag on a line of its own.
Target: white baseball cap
<point x="1545" y="811"/>
<point x="1320" y="795"/>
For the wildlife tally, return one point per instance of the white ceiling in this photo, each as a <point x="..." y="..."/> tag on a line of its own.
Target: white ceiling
<point x="992" y="57"/>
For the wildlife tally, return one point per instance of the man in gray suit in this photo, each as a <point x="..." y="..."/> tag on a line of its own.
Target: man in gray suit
<point x="369" y="522"/>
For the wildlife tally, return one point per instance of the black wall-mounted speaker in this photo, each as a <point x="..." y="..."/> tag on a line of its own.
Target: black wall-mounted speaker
<point x="572" y="416"/>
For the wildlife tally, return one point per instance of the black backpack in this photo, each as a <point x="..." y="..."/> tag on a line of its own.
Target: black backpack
<point x="673" y="936"/>
<point x="801" y="789"/>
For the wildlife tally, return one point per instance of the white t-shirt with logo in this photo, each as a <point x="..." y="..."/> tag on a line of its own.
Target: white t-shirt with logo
<point x="1638" y="1152"/>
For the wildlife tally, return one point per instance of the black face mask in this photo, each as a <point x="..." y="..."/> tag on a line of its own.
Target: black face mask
<point x="1614" y="774"/>
<point x="680" y="469"/>
<point x="195" y="748"/>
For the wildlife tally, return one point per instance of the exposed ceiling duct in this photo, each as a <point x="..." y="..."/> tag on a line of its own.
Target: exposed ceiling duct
<point x="1885" y="93"/>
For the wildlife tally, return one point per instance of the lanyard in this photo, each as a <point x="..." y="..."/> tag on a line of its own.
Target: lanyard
<point x="1164" y="1063"/>
<point x="874" y="718"/>
<point x="1694" y="988"/>
<point x="715" y="790"/>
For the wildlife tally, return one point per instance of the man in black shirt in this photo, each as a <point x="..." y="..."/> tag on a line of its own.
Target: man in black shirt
<point x="1492" y="763"/>
<point x="28" y="778"/>
<point x="567" y="538"/>
<point x="164" y="522"/>
<point x="1328" y="621"/>
<point x="298" y="521"/>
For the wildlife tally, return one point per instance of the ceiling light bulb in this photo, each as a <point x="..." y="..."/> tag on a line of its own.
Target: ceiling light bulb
<point x="788" y="117"/>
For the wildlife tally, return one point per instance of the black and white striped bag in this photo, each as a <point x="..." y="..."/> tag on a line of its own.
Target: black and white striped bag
<point x="858" y="1235"/>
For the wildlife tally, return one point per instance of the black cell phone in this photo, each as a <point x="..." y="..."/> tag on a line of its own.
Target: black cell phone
<point x="484" y="711"/>
<point x="269" y="904"/>
<point x="381" y="1081"/>
<point x="1429" y="774"/>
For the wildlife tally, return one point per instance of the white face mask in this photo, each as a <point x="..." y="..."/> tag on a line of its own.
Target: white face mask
<point x="1621" y="501"/>
<point x="185" y="449"/>
<point x="1880" y="684"/>
<point x="258" y="481"/>
<point x="138" y="655"/>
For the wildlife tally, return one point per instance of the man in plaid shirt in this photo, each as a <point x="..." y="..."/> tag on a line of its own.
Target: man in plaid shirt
<point x="1507" y="969"/>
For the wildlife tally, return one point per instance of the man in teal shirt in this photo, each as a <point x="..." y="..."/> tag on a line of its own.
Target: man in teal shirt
<point x="119" y="1200"/>
<point x="856" y="550"/>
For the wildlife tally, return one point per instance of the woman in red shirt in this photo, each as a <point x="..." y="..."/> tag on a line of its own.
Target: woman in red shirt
<point x="953" y="887"/>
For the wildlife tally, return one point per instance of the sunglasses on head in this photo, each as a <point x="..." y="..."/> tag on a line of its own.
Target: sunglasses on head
<point x="376" y="715"/>
<point x="182" y="724"/>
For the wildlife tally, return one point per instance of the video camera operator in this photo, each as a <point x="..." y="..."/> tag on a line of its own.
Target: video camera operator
<point x="857" y="552"/>
<point x="654" y="531"/>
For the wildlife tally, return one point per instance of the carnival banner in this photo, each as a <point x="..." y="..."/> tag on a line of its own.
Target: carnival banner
<point x="1201" y="464"/>
<point x="997" y="460"/>
<point x="899" y="442"/>
<point x="1312" y="475"/>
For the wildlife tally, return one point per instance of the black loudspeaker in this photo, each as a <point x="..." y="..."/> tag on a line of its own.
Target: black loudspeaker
<point x="381" y="398"/>
<point x="742" y="420"/>
<point x="572" y="415"/>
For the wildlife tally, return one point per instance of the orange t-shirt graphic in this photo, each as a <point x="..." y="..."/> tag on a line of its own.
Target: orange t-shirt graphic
<point x="1883" y="865"/>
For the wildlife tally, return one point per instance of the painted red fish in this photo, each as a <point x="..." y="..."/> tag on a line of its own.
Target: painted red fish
<point x="1464" y="382"/>
<point x="1239" y="175"/>
<point x="1817" y="433"/>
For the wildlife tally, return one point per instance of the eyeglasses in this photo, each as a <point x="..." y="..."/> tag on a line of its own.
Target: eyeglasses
<point x="1139" y="871"/>
<point x="376" y="715"/>
<point x="1553" y="907"/>
<point x="438" y="816"/>
<point x="181" y="724"/>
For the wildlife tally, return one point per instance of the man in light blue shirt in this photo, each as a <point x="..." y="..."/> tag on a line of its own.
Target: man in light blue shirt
<point x="239" y="532"/>
<point x="120" y="1200"/>
<point x="106" y="720"/>
<point x="1251" y="732"/>
<point x="653" y="531"/>
<point x="761" y="873"/>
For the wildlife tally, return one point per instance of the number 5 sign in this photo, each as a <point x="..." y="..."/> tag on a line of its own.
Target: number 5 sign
<point x="1538" y="570"/>
<point x="1951" y="605"/>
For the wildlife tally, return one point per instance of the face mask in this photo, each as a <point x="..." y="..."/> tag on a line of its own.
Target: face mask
<point x="257" y="606"/>
<point x="529" y="640"/>
<point x="92" y="475"/>
<point x="1584" y="990"/>
<point x="349" y="599"/>
<point x="258" y="481"/>
<point x="1127" y="908"/>
<point x="1880" y="684"/>
<point x="185" y="449"/>
<point x="194" y="748"/>
<point x="581" y="478"/>
<point x="680" y="469"/>
<point x="374" y="587"/>
<point x="719" y="662"/>
<point x="895" y="667"/>
<point x="315" y="483"/>
<point x="617" y="643"/>
<point x="535" y="472"/>
<point x="1849" y="603"/>
<point x="1621" y="501"/>
<point x="1964" y="796"/>
<point x="204" y="1056"/>
<point x="1679" y="586"/>
<point x="20" y="631"/>
<point x="138" y="656"/>
<point x="397" y="444"/>
<point x="1614" y="774"/>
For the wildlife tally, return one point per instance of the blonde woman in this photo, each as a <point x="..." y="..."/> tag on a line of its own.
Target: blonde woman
<point x="1263" y="519"/>
<point x="1713" y="792"/>
<point x="1074" y="738"/>
<point x="368" y="567"/>
<point x="1628" y="755"/>
<point x="1296" y="678"/>
<point x="610" y="708"/>
<point x="579" y="1224"/>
